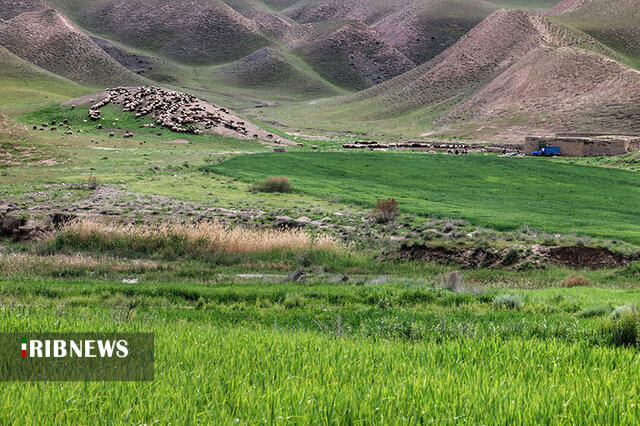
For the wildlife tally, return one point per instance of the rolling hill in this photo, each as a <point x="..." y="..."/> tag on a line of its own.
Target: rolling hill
<point x="352" y="55"/>
<point x="616" y="24"/>
<point x="190" y="31"/>
<point x="270" y="69"/>
<point x="515" y="70"/>
<point x="51" y="41"/>
<point x="419" y="29"/>
<point x="12" y="8"/>
<point x="460" y="67"/>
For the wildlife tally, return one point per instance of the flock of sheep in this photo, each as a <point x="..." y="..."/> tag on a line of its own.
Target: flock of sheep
<point x="177" y="111"/>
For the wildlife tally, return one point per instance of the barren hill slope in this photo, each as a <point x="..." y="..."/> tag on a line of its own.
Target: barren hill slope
<point x="423" y="32"/>
<point x="49" y="40"/>
<point x="12" y="8"/>
<point x="490" y="48"/>
<point x="482" y="78"/>
<point x="419" y="29"/>
<point x="190" y="31"/>
<point x="352" y="55"/>
<point x="553" y="89"/>
<point x="615" y="23"/>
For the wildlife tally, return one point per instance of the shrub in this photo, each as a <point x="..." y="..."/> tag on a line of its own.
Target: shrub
<point x="386" y="210"/>
<point x="576" y="281"/>
<point x="623" y="327"/>
<point x="510" y="258"/>
<point x="507" y="301"/>
<point x="92" y="182"/>
<point x="273" y="184"/>
<point x="452" y="280"/>
<point x="594" y="311"/>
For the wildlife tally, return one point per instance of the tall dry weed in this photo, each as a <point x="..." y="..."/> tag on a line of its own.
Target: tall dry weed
<point x="204" y="237"/>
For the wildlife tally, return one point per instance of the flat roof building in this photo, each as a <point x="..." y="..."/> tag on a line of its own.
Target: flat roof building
<point x="585" y="144"/>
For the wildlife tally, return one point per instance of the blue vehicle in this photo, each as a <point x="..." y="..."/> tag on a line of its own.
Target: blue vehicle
<point x="547" y="151"/>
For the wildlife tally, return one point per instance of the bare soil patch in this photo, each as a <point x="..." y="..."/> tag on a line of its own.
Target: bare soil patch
<point x="515" y="257"/>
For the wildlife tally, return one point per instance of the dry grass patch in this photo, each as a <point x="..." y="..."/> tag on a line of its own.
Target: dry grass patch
<point x="192" y="240"/>
<point x="273" y="184"/>
<point x="576" y="281"/>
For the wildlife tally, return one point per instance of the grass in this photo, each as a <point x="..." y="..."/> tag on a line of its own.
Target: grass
<point x="201" y="240"/>
<point x="527" y="4"/>
<point x="330" y="353"/>
<point x="499" y="193"/>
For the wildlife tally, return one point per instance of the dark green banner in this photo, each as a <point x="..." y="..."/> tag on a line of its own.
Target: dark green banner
<point x="76" y="356"/>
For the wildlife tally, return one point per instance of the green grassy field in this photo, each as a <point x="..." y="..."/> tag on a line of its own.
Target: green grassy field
<point x="359" y="337"/>
<point x="502" y="193"/>
<point x="333" y="353"/>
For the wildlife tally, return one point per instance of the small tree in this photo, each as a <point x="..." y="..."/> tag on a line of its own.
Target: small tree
<point x="386" y="210"/>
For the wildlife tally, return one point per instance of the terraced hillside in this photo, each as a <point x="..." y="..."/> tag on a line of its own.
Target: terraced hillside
<point x="51" y="41"/>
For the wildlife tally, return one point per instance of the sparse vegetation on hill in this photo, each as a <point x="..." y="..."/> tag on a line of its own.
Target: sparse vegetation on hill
<point x="190" y="31"/>
<point x="615" y="23"/>
<point x="353" y="56"/>
<point x="49" y="40"/>
<point x="268" y="69"/>
<point x="12" y="8"/>
<point x="492" y="59"/>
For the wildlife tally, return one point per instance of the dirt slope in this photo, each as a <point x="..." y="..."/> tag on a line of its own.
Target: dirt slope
<point x="419" y="29"/>
<point x="615" y="23"/>
<point x="49" y="40"/>
<point x="555" y="89"/>
<point x="565" y="6"/>
<point x="490" y="48"/>
<point x="428" y="28"/>
<point x="517" y="69"/>
<point x="12" y="8"/>
<point x="352" y="56"/>
<point x="190" y="31"/>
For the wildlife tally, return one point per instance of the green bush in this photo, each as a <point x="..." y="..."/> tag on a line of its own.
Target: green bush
<point x="273" y="184"/>
<point x="507" y="301"/>
<point x="632" y="270"/>
<point x="594" y="311"/>
<point x="623" y="327"/>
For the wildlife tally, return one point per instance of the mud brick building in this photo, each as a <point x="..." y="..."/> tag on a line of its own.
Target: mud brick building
<point x="585" y="144"/>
